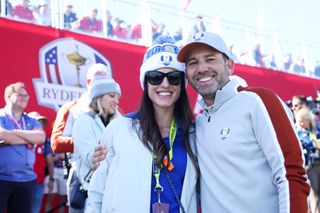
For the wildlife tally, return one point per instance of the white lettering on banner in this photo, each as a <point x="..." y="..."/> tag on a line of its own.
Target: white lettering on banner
<point x="62" y="95"/>
<point x="55" y="94"/>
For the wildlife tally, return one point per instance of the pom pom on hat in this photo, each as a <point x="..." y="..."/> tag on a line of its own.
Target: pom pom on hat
<point x="97" y="71"/>
<point x="103" y="86"/>
<point x="163" y="53"/>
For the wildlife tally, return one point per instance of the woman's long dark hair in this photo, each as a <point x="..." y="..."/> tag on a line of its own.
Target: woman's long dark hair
<point x="151" y="136"/>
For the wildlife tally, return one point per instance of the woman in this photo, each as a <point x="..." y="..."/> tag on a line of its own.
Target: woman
<point x="305" y="123"/>
<point x="150" y="166"/>
<point x="88" y="127"/>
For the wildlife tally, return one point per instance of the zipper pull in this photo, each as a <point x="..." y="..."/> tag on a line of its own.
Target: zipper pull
<point x="208" y="114"/>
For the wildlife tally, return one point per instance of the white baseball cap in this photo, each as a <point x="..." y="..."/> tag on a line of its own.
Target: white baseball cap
<point x="211" y="39"/>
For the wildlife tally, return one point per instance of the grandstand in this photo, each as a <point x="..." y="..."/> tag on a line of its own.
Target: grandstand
<point x="275" y="43"/>
<point x="55" y="28"/>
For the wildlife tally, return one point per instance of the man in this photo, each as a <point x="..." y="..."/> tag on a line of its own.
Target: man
<point x="18" y="135"/>
<point x="91" y="23"/>
<point x="298" y="102"/>
<point x="249" y="154"/>
<point x="61" y="140"/>
<point x="22" y="11"/>
<point x="69" y="17"/>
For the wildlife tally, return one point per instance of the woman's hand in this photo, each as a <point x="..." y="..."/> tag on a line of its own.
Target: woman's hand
<point x="99" y="155"/>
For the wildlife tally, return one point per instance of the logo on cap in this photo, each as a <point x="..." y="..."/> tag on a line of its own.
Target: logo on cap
<point x="166" y="60"/>
<point x="198" y="36"/>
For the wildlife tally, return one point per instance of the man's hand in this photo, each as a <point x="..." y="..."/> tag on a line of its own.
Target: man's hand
<point x="3" y="143"/>
<point x="2" y="132"/>
<point x="99" y="155"/>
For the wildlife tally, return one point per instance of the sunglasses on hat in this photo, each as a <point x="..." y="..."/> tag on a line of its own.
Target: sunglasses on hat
<point x="156" y="77"/>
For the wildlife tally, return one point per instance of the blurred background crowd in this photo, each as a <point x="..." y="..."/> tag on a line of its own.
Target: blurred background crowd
<point x="248" y="45"/>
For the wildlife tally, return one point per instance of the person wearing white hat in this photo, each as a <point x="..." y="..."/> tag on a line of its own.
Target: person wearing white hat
<point x="61" y="140"/>
<point x="248" y="151"/>
<point x="87" y="130"/>
<point x="69" y="17"/>
<point x="150" y="165"/>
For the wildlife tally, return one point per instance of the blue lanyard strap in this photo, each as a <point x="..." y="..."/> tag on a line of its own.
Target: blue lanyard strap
<point x="156" y="170"/>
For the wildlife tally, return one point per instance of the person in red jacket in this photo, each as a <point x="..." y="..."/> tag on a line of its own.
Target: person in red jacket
<point x="21" y="11"/>
<point x="44" y="159"/>
<point x="91" y="23"/>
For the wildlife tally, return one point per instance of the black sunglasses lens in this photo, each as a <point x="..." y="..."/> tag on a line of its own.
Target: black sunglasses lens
<point x="155" y="77"/>
<point x="174" y="78"/>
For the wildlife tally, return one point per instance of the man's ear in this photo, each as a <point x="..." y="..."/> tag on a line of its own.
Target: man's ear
<point x="230" y="66"/>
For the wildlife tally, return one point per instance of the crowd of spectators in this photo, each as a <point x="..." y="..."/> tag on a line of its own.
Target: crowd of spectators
<point x="117" y="28"/>
<point x="306" y="111"/>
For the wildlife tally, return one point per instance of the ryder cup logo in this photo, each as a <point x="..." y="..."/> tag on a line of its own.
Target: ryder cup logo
<point x="63" y="67"/>
<point x="198" y="36"/>
<point x="166" y="60"/>
<point x="224" y="133"/>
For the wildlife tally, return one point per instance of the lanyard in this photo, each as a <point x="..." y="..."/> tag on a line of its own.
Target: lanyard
<point x="17" y="124"/>
<point x="21" y="124"/>
<point x="156" y="170"/>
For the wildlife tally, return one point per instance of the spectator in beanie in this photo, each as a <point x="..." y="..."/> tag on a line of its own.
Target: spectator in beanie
<point x="88" y="128"/>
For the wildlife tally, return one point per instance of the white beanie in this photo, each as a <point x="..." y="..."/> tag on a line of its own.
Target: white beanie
<point x="103" y="86"/>
<point x="160" y="56"/>
<point x="99" y="71"/>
